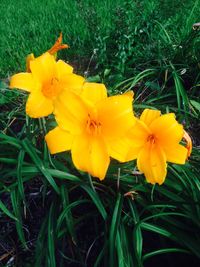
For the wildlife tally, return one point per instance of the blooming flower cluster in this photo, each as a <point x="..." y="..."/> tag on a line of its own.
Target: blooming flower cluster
<point x="96" y="127"/>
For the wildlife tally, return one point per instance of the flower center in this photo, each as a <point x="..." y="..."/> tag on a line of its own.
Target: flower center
<point x="151" y="139"/>
<point x="51" y="88"/>
<point x="92" y="126"/>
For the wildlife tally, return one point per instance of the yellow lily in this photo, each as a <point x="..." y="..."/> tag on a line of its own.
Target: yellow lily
<point x="46" y="80"/>
<point x="155" y="141"/>
<point x="93" y="126"/>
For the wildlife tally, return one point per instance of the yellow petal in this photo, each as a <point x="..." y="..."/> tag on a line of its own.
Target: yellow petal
<point x="94" y="92"/>
<point x="23" y="81"/>
<point x="71" y="113"/>
<point x="188" y="139"/>
<point x="38" y="106"/>
<point x="152" y="162"/>
<point x="167" y="130"/>
<point x="90" y="154"/>
<point x="43" y="67"/>
<point x="137" y="135"/>
<point x="29" y="58"/>
<point x="116" y="115"/>
<point x="149" y="115"/>
<point x="63" y="68"/>
<point x="133" y="153"/>
<point x="119" y="148"/>
<point x="72" y="82"/>
<point x="58" y="140"/>
<point x="176" y="154"/>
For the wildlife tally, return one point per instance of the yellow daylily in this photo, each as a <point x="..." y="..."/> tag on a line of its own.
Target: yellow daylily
<point x="52" y="51"/>
<point x="155" y="141"/>
<point x="93" y="127"/>
<point x="46" y="81"/>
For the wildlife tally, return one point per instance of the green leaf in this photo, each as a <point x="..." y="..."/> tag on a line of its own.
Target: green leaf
<point x="164" y="251"/>
<point x="51" y="245"/>
<point x="16" y="203"/>
<point x="38" y="162"/>
<point x="155" y="229"/>
<point x="195" y="104"/>
<point x="96" y="200"/>
<point x="114" y="228"/>
<point x="6" y="211"/>
<point x="19" y="174"/>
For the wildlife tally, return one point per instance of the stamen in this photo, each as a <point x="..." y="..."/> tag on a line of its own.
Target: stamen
<point x="51" y="88"/>
<point x="92" y="126"/>
<point x="151" y="139"/>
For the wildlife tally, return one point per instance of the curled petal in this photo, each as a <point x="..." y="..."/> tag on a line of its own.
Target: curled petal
<point x="29" y="58"/>
<point x="189" y="143"/>
<point x="58" y="140"/>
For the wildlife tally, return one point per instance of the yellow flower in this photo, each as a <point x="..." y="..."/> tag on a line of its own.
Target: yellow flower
<point x="93" y="127"/>
<point x="52" y="51"/>
<point x="47" y="80"/>
<point x="155" y="140"/>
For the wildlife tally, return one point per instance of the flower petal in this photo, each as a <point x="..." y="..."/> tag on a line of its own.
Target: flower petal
<point x="72" y="82"/>
<point x="71" y="112"/>
<point x="38" y="105"/>
<point x="90" y="154"/>
<point x="94" y="92"/>
<point x="149" y="115"/>
<point x="29" y="58"/>
<point x="176" y="154"/>
<point x="167" y="130"/>
<point x="63" y="68"/>
<point x="138" y="135"/>
<point x="116" y="115"/>
<point x="152" y="162"/>
<point x="188" y="140"/>
<point x="119" y="148"/>
<point x="23" y="81"/>
<point x="43" y="67"/>
<point x="58" y="140"/>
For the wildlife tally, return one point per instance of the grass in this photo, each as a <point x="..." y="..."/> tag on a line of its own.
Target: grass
<point x="53" y="215"/>
<point x="125" y="34"/>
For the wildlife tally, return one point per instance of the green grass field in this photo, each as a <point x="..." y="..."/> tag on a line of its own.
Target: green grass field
<point x="52" y="215"/>
<point x="125" y="34"/>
